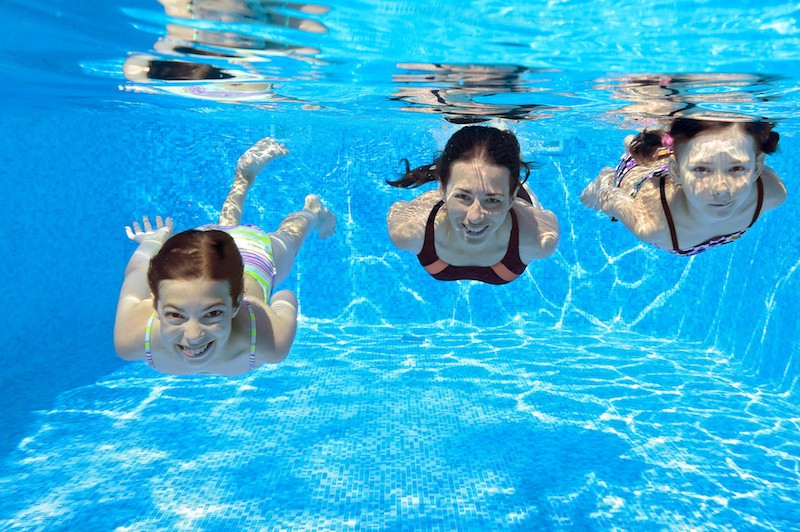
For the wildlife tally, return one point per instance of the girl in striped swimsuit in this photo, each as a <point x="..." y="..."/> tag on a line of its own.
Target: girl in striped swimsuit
<point x="180" y="307"/>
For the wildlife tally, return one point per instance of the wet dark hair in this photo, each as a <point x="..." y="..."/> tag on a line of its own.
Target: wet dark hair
<point x="644" y="147"/>
<point x="495" y="145"/>
<point x="198" y="254"/>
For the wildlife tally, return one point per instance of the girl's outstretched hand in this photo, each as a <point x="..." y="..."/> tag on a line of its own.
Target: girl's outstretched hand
<point x="160" y="234"/>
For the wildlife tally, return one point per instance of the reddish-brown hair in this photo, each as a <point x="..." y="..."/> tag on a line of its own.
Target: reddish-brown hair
<point x="198" y="254"/>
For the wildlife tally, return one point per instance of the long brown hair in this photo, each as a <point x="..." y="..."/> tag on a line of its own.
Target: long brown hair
<point x="496" y="145"/>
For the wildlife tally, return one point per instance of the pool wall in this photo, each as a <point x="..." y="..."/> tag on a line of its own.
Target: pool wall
<point x="75" y="178"/>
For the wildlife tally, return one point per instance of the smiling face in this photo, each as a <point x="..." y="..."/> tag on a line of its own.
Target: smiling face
<point x="196" y="317"/>
<point x="478" y="199"/>
<point x="717" y="170"/>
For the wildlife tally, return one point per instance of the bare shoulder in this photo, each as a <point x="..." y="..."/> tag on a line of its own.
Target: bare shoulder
<point x="774" y="189"/>
<point x="538" y="231"/>
<point x="276" y="326"/>
<point x="406" y="220"/>
<point x="129" y="329"/>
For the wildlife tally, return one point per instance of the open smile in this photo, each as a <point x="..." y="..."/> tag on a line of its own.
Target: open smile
<point x="195" y="352"/>
<point x="473" y="232"/>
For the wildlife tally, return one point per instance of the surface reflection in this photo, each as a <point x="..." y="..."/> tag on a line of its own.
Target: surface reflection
<point x="650" y="98"/>
<point x="234" y="62"/>
<point x="256" y="11"/>
<point x="471" y="93"/>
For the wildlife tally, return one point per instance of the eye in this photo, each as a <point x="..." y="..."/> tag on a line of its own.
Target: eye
<point x="493" y="201"/>
<point x="701" y="169"/>
<point x="738" y="169"/>
<point x="215" y="314"/>
<point x="173" y="316"/>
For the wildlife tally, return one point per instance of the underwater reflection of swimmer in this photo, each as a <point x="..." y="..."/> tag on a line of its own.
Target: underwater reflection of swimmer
<point x="220" y="84"/>
<point x="482" y="223"/>
<point x="233" y="46"/>
<point x="143" y="68"/>
<point x="224" y="60"/>
<point x="692" y="185"/>
<point x="452" y="91"/>
<point x="652" y="97"/>
<point x="250" y="11"/>
<point x="180" y="306"/>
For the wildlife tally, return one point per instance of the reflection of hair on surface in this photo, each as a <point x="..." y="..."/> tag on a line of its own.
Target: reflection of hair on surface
<point x="144" y="68"/>
<point x="455" y="91"/>
<point x="457" y="109"/>
<point x="478" y="76"/>
<point x="169" y="76"/>
<point x="655" y="97"/>
<point x="248" y="11"/>
<point x="227" y="44"/>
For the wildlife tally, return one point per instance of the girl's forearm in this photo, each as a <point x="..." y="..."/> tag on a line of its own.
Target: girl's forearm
<point x="613" y="201"/>
<point x="143" y="254"/>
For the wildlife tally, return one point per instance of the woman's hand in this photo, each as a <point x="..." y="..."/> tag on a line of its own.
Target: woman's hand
<point x="160" y="234"/>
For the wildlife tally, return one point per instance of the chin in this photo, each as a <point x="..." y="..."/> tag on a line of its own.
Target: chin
<point x="721" y="213"/>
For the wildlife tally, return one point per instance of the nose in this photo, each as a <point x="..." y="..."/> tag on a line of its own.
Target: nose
<point x="475" y="212"/>
<point x="192" y="331"/>
<point x="721" y="188"/>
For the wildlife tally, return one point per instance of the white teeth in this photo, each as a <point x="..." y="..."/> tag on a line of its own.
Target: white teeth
<point x="475" y="231"/>
<point x="195" y="352"/>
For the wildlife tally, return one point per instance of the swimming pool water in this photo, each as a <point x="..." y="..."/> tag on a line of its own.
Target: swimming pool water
<point x="376" y="428"/>
<point x="612" y="387"/>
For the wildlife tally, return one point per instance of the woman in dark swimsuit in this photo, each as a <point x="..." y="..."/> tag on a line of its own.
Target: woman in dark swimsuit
<point x="481" y="223"/>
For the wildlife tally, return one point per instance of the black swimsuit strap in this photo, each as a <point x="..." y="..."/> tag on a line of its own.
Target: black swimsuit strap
<point x="760" y="202"/>
<point x="511" y="259"/>
<point x="428" y="253"/>
<point x="673" y="235"/>
<point x="523" y="194"/>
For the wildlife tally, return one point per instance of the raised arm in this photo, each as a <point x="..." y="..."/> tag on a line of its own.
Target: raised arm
<point x="134" y="304"/>
<point x="406" y="220"/>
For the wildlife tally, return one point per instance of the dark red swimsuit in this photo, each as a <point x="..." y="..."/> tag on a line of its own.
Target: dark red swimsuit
<point x="505" y="271"/>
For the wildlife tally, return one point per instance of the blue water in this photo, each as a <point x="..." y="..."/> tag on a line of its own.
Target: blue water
<point x="611" y="387"/>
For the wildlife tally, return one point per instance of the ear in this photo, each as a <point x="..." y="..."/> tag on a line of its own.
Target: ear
<point x="155" y="303"/>
<point x="760" y="160"/>
<point x="441" y="190"/>
<point x="237" y="306"/>
<point x="674" y="174"/>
